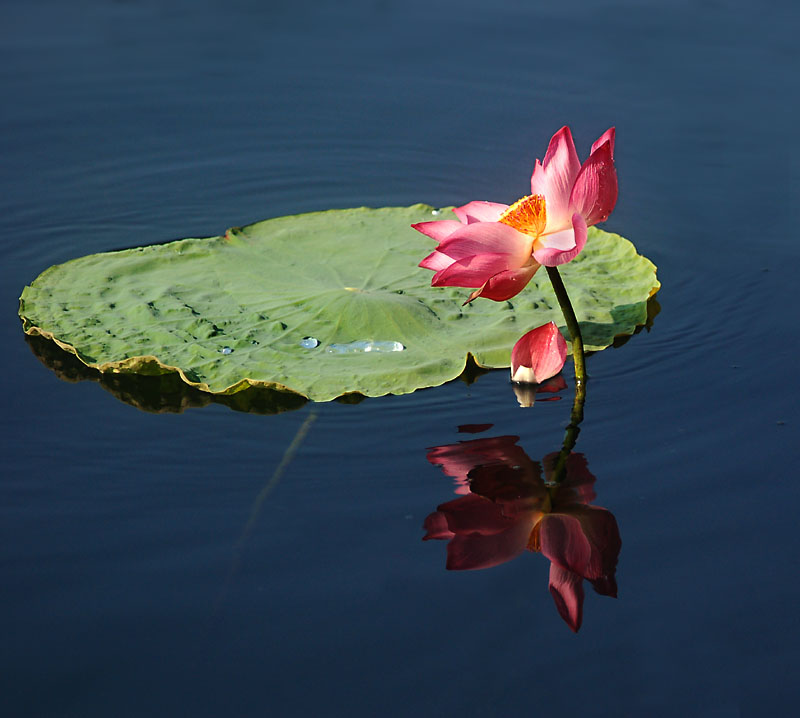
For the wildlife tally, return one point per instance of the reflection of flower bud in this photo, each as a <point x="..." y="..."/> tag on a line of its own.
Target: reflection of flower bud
<point x="538" y="355"/>
<point x="526" y="394"/>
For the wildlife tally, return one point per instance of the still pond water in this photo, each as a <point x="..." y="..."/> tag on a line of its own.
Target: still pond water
<point x="163" y="555"/>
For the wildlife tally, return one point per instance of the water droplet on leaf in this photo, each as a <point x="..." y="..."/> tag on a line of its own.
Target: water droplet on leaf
<point x="309" y="342"/>
<point x="364" y="347"/>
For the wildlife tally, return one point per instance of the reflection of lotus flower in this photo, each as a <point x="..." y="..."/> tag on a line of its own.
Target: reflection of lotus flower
<point x="457" y="460"/>
<point x="538" y="355"/>
<point x="510" y="508"/>
<point x="498" y="248"/>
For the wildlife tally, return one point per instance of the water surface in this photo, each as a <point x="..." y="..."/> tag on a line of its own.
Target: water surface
<point x="166" y="563"/>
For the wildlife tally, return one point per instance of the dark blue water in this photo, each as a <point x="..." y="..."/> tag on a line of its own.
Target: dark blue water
<point x="188" y="564"/>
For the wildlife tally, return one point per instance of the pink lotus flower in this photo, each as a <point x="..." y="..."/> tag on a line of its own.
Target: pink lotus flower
<point x="497" y="248"/>
<point x="509" y="509"/>
<point x="538" y="355"/>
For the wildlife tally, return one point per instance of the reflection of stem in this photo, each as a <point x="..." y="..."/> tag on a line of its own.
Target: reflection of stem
<point x="288" y="455"/>
<point x="574" y="330"/>
<point x="575" y="419"/>
<point x="570" y="437"/>
<point x="576" y="416"/>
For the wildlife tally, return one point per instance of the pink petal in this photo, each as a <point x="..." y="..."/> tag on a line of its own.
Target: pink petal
<point x="562" y="247"/>
<point x="605" y="586"/>
<point x="476" y="551"/>
<point x="607" y="136"/>
<point x="595" y="192"/>
<point x="553" y="385"/>
<point x="555" y="177"/>
<point x="473" y="514"/>
<point x="437" y="230"/>
<point x="487" y="238"/>
<point x="473" y="429"/>
<point x="538" y="355"/>
<point x="601" y="531"/>
<point x="436" y="261"/>
<point x="561" y="156"/>
<point x="436" y="527"/>
<point x="504" y="285"/>
<point x="457" y="460"/>
<point x="479" y="211"/>
<point x="566" y="588"/>
<point x="561" y="539"/>
<point x="473" y="271"/>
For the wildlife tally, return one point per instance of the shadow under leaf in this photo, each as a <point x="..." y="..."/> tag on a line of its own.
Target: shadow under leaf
<point x="162" y="392"/>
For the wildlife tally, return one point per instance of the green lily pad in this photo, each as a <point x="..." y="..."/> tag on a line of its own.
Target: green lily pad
<point x="243" y="309"/>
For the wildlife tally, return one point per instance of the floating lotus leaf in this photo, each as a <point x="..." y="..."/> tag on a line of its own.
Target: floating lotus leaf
<point x="245" y="308"/>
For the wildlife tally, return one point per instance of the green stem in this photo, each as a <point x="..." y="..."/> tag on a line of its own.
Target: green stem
<point x="574" y="330"/>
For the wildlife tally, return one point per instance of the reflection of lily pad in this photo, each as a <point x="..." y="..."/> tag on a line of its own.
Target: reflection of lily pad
<point x="233" y="311"/>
